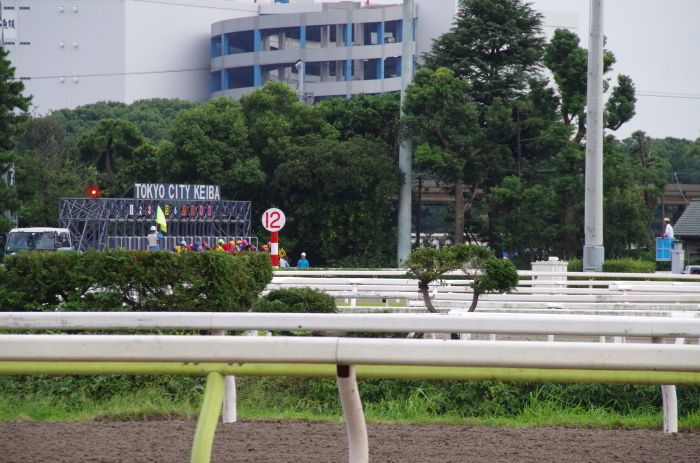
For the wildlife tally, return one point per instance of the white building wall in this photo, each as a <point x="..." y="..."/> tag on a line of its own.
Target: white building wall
<point x="434" y="19"/>
<point x="114" y="50"/>
<point x="168" y="46"/>
<point x="127" y="50"/>
<point x="66" y="52"/>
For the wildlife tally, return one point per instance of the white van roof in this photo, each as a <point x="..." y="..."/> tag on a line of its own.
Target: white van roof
<point x="39" y="229"/>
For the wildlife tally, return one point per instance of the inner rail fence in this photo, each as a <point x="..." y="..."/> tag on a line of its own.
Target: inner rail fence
<point x="220" y="358"/>
<point x="542" y="292"/>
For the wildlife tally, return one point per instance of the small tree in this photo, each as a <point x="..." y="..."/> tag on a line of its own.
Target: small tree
<point x="488" y="273"/>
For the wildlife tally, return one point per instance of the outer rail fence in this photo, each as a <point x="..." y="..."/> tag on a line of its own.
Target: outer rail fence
<point x="348" y="358"/>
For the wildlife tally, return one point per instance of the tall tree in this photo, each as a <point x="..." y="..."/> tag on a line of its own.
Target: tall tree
<point x="109" y="142"/>
<point x="13" y="108"/>
<point x="375" y="117"/>
<point x="210" y="146"/>
<point x="496" y="45"/>
<point x="568" y="63"/>
<point x="335" y="193"/>
<point x="47" y="171"/>
<point x="651" y="175"/>
<point x="451" y="142"/>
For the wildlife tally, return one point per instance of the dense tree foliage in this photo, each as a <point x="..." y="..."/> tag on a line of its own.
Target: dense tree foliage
<point x="108" y="145"/>
<point x="336" y="193"/>
<point x="46" y="171"/>
<point x="451" y="141"/>
<point x="528" y="173"/>
<point x="331" y="177"/>
<point x="13" y="107"/>
<point x="154" y="117"/>
<point x="496" y="45"/>
<point x="375" y="117"/>
<point x="495" y="131"/>
<point x="209" y="145"/>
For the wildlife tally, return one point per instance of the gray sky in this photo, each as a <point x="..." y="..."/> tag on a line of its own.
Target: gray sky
<point x="656" y="44"/>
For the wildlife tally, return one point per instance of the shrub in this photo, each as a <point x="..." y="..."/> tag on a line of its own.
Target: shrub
<point x="298" y="300"/>
<point x="628" y="266"/>
<point x="575" y="265"/>
<point x="134" y="280"/>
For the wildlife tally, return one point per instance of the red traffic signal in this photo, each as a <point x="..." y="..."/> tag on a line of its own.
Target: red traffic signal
<point x="94" y="192"/>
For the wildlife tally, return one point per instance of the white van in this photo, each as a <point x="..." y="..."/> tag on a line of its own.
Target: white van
<point x="38" y="239"/>
<point x="692" y="270"/>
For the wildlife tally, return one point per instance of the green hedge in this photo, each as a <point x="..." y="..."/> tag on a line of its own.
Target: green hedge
<point x="616" y="266"/>
<point x="133" y="281"/>
<point x="297" y="300"/>
<point x="628" y="266"/>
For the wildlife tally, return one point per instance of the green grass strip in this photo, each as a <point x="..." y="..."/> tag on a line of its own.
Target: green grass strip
<point x="362" y="371"/>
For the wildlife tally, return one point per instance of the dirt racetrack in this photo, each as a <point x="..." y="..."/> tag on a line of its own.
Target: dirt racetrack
<point x="293" y="442"/>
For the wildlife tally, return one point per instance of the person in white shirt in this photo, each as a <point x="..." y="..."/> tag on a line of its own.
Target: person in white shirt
<point x="668" y="229"/>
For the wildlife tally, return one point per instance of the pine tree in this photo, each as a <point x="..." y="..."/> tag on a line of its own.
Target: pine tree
<point x="496" y="45"/>
<point x="13" y="108"/>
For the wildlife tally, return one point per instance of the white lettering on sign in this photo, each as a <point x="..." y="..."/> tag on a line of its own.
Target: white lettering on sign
<point x="176" y="191"/>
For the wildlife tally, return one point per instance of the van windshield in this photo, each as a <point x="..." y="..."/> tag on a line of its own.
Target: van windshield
<point x="37" y="241"/>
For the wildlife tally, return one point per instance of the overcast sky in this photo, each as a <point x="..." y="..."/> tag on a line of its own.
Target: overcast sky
<point x="657" y="44"/>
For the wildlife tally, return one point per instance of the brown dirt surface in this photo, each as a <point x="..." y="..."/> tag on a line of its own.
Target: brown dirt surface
<point x="295" y="442"/>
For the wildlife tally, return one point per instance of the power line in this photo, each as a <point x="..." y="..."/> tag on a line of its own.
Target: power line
<point x="689" y="96"/>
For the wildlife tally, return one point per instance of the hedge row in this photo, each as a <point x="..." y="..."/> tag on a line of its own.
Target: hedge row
<point x="133" y="281"/>
<point x="617" y="266"/>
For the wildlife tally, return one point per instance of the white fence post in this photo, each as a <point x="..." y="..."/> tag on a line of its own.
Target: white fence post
<point x="670" y="401"/>
<point x="354" y="415"/>
<point x="229" y="414"/>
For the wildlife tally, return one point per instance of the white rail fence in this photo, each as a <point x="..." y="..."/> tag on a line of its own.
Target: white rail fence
<point x="544" y="291"/>
<point x="651" y="329"/>
<point x="217" y="355"/>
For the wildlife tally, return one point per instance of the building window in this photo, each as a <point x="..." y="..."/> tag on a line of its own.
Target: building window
<point x="392" y="67"/>
<point x="370" y="69"/>
<point x="314" y="36"/>
<point x="282" y="38"/>
<point x="282" y="72"/>
<point x="371" y="31"/>
<point x="216" y="46"/>
<point x="215" y="81"/>
<point x="391" y="31"/>
<point x="240" y="42"/>
<point x="314" y="72"/>
<point x="241" y="77"/>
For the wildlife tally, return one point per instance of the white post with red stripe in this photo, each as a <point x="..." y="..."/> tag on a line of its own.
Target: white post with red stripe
<point x="273" y="221"/>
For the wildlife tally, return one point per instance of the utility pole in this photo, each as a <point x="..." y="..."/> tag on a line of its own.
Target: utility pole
<point x="406" y="149"/>
<point x="593" y="250"/>
<point x="418" y="214"/>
